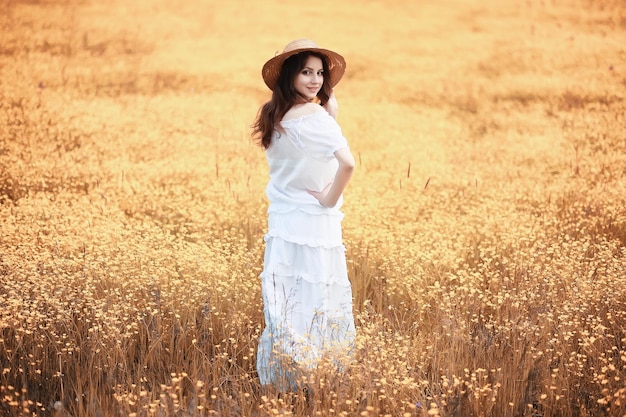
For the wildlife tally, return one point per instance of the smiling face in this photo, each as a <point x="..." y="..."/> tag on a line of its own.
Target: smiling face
<point x="309" y="80"/>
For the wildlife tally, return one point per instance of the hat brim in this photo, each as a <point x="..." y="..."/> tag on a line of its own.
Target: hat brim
<point x="336" y="66"/>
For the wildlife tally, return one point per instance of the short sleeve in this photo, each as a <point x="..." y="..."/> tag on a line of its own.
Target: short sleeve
<point x="321" y="135"/>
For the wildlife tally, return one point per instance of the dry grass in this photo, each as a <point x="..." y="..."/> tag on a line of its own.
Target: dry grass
<point x="486" y="224"/>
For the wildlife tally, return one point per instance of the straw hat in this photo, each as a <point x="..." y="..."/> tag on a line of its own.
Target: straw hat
<point x="271" y="69"/>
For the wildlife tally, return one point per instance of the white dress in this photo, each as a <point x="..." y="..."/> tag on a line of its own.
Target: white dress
<point x="307" y="297"/>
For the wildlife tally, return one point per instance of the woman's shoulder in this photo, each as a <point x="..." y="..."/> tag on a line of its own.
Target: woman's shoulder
<point x="305" y="109"/>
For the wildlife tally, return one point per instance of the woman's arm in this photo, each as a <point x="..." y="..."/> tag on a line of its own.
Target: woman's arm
<point x="329" y="196"/>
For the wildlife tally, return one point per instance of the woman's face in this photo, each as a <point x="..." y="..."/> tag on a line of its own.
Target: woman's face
<point x="310" y="79"/>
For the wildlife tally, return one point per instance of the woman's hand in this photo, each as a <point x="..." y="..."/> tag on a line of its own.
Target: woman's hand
<point x="321" y="195"/>
<point x="331" y="106"/>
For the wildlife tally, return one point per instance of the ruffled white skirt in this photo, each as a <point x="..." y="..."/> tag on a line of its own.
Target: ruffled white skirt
<point x="307" y="297"/>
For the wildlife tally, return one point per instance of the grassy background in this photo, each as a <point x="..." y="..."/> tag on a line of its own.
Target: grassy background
<point x="485" y="223"/>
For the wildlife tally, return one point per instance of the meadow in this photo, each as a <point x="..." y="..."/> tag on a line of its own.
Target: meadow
<point x="485" y="222"/>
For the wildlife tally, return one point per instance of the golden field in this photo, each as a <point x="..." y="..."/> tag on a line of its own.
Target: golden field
<point x="485" y="223"/>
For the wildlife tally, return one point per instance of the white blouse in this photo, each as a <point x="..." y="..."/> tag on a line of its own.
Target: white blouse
<point x="302" y="158"/>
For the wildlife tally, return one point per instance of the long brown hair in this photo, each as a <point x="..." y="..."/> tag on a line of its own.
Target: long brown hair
<point x="284" y="96"/>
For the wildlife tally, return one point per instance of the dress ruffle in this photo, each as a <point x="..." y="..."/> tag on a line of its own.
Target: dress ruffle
<point x="305" y="228"/>
<point x="312" y="209"/>
<point x="304" y="321"/>
<point x="315" y="264"/>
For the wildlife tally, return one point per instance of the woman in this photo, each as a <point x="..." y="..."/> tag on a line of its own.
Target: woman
<point x="307" y="296"/>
